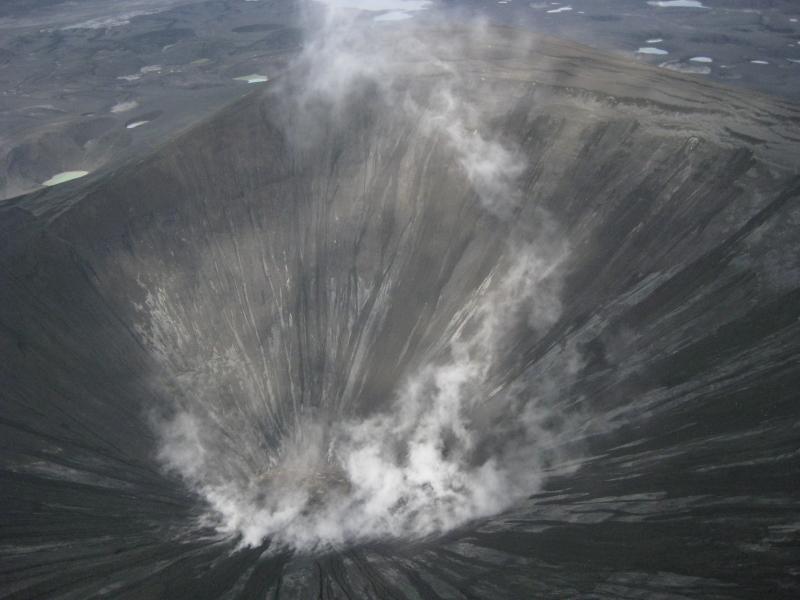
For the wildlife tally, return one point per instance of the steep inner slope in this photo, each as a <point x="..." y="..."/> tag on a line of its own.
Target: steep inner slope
<point x="575" y="298"/>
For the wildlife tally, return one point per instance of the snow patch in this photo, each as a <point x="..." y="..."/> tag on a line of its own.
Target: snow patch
<point x="254" y="78"/>
<point x="64" y="177"/>
<point x="651" y="50"/>
<point x="677" y="4"/>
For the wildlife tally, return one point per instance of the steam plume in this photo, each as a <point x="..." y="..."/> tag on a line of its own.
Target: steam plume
<point x="460" y="438"/>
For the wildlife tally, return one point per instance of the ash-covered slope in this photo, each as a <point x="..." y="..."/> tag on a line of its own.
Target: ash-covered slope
<point x="530" y="332"/>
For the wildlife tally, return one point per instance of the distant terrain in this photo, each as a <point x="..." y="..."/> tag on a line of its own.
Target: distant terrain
<point x="87" y="81"/>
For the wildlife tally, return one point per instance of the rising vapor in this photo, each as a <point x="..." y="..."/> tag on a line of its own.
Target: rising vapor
<point x="459" y="438"/>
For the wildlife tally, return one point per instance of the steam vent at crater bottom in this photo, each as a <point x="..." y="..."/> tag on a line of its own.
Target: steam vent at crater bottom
<point x="518" y="322"/>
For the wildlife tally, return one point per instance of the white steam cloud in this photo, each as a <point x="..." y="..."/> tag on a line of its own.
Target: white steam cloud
<point x="461" y="439"/>
<point x="450" y="449"/>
